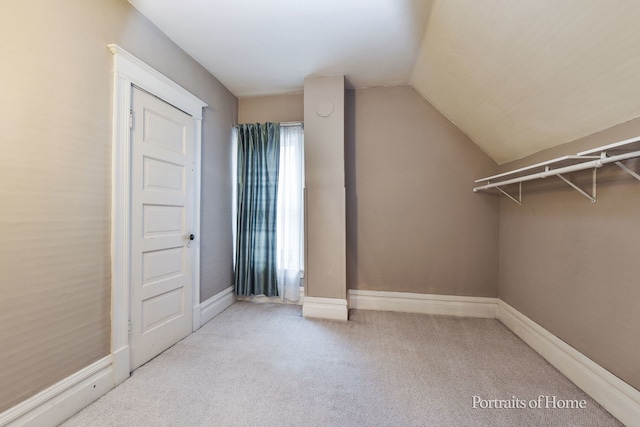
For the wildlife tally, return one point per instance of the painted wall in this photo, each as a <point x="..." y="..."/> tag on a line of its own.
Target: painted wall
<point x="572" y="266"/>
<point x="55" y="178"/>
<point x="413" y="223"/>
<point x="325" y="217"/>
<point x="276" y="109"/>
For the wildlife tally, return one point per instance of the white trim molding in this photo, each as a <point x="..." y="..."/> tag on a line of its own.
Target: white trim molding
<point x="64" y="399"/>
<point x="67" y="397"/>
<point x="615" y="395"/>
<point x="446" y="305"/>
<point x="129" y="71"/>
<point x="70" y="395"/>
<point x="325" y="308"/>
<point x="210" y="308"/>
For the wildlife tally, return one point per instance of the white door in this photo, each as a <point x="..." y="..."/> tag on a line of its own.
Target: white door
<point x="162" y="169"/>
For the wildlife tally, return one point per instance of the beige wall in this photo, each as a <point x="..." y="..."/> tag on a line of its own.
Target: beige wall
<point x="572" y="266"/>
<point x="413" y="223"/>
<point x="276" y="109"/>
<point x="325" y="217"/>
<point x="55" y="178"/>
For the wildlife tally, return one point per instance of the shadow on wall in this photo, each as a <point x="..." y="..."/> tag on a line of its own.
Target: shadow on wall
<point x="350" y="183"/>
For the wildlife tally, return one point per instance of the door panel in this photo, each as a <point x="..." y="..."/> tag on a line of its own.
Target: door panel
<point x="162" y="176"/>
<point x="161" y="221"/>
<point x="161" y="265"/>
<point x="157" y="310"/>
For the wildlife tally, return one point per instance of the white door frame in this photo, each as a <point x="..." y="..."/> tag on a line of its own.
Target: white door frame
<point x="128" y="71"/>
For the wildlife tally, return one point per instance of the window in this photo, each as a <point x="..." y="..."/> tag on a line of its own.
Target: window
<point x="290" y="209"/>
<point x="290" y="217"/>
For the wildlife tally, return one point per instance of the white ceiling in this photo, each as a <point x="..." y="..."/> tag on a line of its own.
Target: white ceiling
<point x="259" y="47"/>
<point x="516" y="76"/>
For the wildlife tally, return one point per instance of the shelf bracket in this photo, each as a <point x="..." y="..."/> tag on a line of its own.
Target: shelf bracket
<point x="519" y="199"/>
<point x="628" y="170"/>
<point x="591" y="196"/>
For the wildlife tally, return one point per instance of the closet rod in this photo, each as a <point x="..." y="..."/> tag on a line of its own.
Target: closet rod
<point x="567" y="169"/>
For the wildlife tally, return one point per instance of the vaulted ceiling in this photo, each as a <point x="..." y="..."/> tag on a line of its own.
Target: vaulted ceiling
<point x="516" y="76"/>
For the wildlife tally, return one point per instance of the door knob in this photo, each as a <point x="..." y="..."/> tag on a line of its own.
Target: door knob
<point x="192" y="237"/>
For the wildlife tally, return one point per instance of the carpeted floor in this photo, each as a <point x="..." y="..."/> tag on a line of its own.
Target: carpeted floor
<point x="265" y="365"/>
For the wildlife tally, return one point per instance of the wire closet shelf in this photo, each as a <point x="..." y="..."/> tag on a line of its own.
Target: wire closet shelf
<point x="593" y="159"/>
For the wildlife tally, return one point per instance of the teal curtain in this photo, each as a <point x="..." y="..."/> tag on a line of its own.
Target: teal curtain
<point x="258" y="164"/>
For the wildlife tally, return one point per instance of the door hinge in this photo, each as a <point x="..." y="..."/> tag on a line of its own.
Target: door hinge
<point x="130" y="119"/>
<point x="129" y="326"/>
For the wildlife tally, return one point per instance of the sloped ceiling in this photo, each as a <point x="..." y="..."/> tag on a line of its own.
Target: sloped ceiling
<point x="516" y="76"/>
<point x="521" y="76"/>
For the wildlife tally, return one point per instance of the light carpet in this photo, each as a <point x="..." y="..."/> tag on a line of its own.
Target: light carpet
<point x="265" y="365"/>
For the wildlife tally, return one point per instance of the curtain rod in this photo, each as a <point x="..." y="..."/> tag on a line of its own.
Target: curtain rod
<point x="299" y="123"/>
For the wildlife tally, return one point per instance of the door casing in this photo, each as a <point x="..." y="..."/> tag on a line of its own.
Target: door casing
<point x="128" y="71"/>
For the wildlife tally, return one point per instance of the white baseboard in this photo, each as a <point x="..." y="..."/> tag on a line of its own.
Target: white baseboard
<point x="121" y="364"/>
<point x="64" y="399"/>
<point x="325" y="308"/>
<point x="615" y="395"/>
<point x="446" y="305"/>
<point x="67" y="397"/>
<point x="213" y="306"/>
